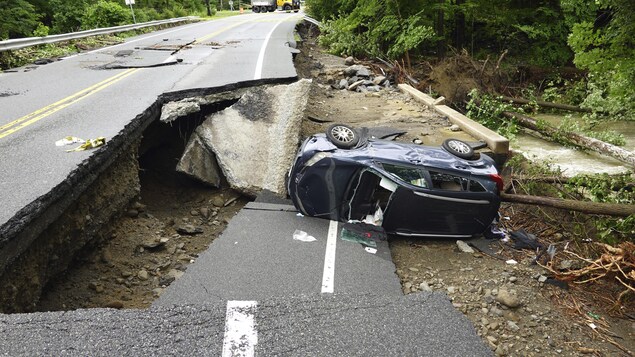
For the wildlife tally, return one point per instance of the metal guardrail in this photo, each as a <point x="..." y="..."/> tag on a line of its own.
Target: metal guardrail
<point x="312" y="20"/>
<point x="18" y="43"/>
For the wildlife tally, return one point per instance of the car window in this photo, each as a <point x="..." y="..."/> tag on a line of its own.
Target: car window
<point x="413" y="176"/>
<point x="449" y="182"/>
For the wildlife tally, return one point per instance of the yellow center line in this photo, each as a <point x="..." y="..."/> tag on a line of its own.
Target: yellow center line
<point x="208" y="36"/>
<point x="61" y="104"/>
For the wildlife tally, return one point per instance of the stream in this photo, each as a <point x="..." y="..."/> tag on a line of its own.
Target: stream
<point x="571" y="161"/>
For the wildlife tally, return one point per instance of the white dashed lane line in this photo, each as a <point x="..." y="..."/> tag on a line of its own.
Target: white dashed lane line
<point x="328" y="276"/>
<point x="241" y="336"/>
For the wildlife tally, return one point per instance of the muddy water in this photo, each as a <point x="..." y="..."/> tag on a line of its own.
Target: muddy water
<point x="571" y="161"/>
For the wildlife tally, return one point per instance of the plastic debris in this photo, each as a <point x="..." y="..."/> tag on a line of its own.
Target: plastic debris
<point x="511" y="262"/>
<point x="69" y="140"/>
<point x="524" y="240"/>
<point x="376" y="218"/>
<point x="363" y="233"/>
<point x="303" y="236"/>
<point x="370" y="250"/>
<point x="90" y="144"/>
<point x="299" y="214"/>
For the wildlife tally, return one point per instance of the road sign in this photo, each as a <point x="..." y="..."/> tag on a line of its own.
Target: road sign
<point x="129" y="2"/>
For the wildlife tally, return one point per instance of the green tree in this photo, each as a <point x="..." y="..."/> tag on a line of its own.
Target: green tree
<point x="105" y="14"/>
<point x="603" y="40"/>
<point x="19" y="19"/>
<point x="67" y="15"/>
<point x="378" y="28"/>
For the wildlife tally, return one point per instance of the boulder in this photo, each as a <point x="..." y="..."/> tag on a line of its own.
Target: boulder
<point x="254" y="141"/>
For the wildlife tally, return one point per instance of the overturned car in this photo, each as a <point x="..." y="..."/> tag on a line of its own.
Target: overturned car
<point x="418" y="190"/>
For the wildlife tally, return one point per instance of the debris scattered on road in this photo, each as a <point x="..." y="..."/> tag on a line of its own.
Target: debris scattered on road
<point x="90" y="144"/>
<point x="511" y="262"/>
<point x="69" y="140"/>
<point x="370" y="250"/>
<point x="303" y="236"/>
<point x="366" y="234"/>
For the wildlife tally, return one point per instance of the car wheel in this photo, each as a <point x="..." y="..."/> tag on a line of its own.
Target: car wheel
<point x="458" y="148"/>
<point x="255" y="9"/>
<point x="286" y="7"/>
<point x="342" y="136"/>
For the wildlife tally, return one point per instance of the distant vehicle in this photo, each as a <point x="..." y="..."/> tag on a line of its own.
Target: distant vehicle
<point x="446" y="191"/>
<point x="272" y="5"/>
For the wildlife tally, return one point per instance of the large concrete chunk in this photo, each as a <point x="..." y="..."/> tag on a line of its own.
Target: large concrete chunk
<point x="199" y="161"/>
<point x="255" y="140"/>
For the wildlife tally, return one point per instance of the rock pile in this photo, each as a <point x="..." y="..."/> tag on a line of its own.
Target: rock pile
<point x="359" y="78"/>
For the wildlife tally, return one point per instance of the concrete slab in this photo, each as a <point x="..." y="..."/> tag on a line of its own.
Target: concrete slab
<point x="497" y="143"/>
<point x="257" y="257"/>
<point x="423" y="324"/>
<point x="254" y="140"/>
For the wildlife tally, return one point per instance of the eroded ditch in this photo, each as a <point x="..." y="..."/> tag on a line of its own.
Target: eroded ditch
<point x="133" y="229"/>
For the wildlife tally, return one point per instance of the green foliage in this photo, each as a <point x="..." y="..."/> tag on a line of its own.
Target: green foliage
<point x="608" y="189"/>
<point x="67" y="15"/>
<point x="105" y="14"/>
<point x="585" y="127"/>
<point x="18" y="19"/>
<point x="487" y="110"/>
<point x="375" y="28"/>
<point x="602" y="37"/>
<point x="41" y="30"/>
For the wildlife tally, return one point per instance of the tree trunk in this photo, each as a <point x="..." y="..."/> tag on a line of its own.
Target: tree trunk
<point x="610" y="209"/>
<point x="572" y="108"/>
<point x="576" y="139"/>
<point x="440" y="30"/>
<point x="459" y="25"/>
<point x="209" y="10"/>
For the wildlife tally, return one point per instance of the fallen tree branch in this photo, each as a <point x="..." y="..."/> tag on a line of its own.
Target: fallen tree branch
<point x="582" y="141"/>
<point x="608" y="209"/>
<point x="572" y="108"/>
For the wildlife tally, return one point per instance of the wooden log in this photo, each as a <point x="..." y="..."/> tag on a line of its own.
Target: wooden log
<point x="572" y="108"/>
<point x="582" y="141"/>
<point x="607" y="209"/>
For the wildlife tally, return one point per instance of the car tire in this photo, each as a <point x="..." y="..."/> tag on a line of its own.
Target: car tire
<point x="286" y="7"/>
<point x="342" y="136"/>
<point x="458" y="148"/>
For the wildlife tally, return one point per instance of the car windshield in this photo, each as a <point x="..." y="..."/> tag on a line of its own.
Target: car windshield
<point x="413" y="176"/>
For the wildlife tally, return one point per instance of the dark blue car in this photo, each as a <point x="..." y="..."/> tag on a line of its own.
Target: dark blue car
<point x="446" y="191"/>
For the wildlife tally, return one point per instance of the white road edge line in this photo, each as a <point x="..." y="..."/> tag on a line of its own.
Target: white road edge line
<point x="261" y="55"/>
<point x="241" y="336"/>
<point x="328" y="276"/>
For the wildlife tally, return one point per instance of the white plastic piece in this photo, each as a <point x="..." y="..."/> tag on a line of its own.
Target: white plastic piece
<point x="370" y="250"/>
<point x="303" y="236"/>
<point x="511" y="262"/>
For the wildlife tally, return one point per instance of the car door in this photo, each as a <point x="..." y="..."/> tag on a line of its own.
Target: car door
<point x="451" y="205"/>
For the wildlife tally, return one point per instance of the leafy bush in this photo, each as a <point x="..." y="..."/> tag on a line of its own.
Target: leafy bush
<point x="105" y="14"/>
<point x="487" y="110"/>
